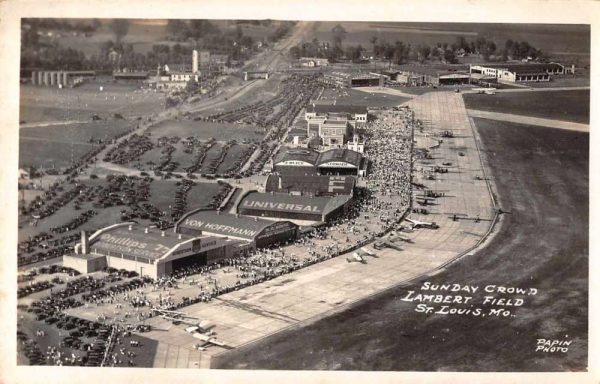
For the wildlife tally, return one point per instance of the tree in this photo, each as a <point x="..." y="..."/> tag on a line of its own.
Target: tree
<point x="295" y="52"/>
<point x="449" y="56"/>
<point x="338" y="34"/>
<point x="373" y="41"/>
<point x="423" y="52"/>
<point x="120" y="28"/>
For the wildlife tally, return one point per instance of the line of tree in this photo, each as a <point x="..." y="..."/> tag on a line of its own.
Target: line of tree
<point x="399" y="53"/>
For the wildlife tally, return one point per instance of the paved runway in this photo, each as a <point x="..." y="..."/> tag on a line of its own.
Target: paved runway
<point x="520" y="119"/>
<point x="298" y="298"/>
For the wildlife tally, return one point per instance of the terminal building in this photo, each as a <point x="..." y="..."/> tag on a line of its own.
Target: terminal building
<point x="314" y="209"/>
<point x="305" y="161"/>
<point x="260" y="233"/>
<point x="311" y="185"/>
<point x="335" y="124"/>
<point x="149" y="252"/>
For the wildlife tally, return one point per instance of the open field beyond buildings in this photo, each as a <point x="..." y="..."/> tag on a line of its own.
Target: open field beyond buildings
<point x="205" y="130"/>
<point x="51" y="145"/>
<point x="48" y="104"/>
<point x="563" y="39"/>
<point x="560" y="105"/>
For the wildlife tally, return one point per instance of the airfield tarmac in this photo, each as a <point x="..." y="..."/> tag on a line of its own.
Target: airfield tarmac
<point x="244" y="317"/>
<point x="542" y="178"/>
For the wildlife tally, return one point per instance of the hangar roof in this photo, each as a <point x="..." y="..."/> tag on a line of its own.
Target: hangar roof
<point x="342" y="155"/>
<point x="298" y="154"/>
<point x="434" y="70"/>
<point x="283" y="202"/>
<point x="227" y="224"/>
<point x="316" y="184"/>
<point x="151" y="245"/>
<point x="525" y="67"/>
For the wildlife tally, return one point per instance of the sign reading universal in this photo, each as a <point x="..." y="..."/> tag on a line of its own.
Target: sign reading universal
<point x="281" y="206"/>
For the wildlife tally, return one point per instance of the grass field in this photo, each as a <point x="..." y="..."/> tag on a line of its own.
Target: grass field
<point x="561" y="105"/>
<point x="542" y="244"/>
<point x="51" y="145"/>
<point x="42" y="104"/>
<point x="354" y="97"/>
<point x="205" y="130"/>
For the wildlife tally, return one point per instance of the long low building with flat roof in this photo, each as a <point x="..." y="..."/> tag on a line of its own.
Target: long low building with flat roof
<point x="521" y="72"/>
<point x="261" y="233"/>
<point x="149" y="251"/>
<point x="285" y="206"/>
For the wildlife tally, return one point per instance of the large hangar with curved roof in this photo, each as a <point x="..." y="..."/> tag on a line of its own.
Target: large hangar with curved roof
<point x="261" y="233"/>
<point x="318" y="209"/>
<point x="306" y="161"/>
<point x="150" y="251"/>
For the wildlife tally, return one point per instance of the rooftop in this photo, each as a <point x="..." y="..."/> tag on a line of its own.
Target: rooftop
<point x="524" y="68"/>
<point x="152" y="245"/>
<point x="435" y="70"/>
<point x="283" y="202"/>
<point x="342" y="155"/>
<point x="226" y="224"/>
<point x="315" y="184"/>
<point x="298" y="154"/>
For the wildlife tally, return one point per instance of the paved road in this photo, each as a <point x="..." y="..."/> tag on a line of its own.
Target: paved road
<point x="251" y="314"/>
<point x="529" y="120"/>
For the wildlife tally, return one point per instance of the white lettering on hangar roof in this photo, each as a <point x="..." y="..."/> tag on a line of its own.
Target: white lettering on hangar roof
<point x="220" y="228"/>
<point x="281" y="206"/>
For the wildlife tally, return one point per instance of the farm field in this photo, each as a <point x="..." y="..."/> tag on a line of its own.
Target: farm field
<point x="51" y="146"/>
<point x="561" y="105"/>
<point x="543" y="243"/>
<point x="354" y="97"/>
<point x="205" y="130"/>
<point x="46" y="104"/>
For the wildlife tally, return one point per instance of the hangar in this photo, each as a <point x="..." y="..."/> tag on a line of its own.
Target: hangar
<point x="262" y="233"/>
<point x="304" y="161"/>
<point x="149" y="252"/>
<point x="297" y="161"/>
<point x="315" y="185"/>
<point x="285" y="206"/>
<point x="341" y="162"/>
<point x="417" y="75"/>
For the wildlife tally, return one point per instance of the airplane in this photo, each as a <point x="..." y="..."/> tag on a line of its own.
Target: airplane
<point x="175" y="314"/>
<point x="401" y="238"/>
<point x="356" y="258"/>
<point x="367" y="251"/>
<point x="210" y="340"/>
<point x="363" y="252"/>
<point x="422" y="224"/>
<point x="462" y="216"/>
<point x="203" y="326"/>
<point x="386" y="244"/>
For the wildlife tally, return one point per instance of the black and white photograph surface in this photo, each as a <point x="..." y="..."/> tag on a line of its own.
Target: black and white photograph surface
<point x="241" y="192"/>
